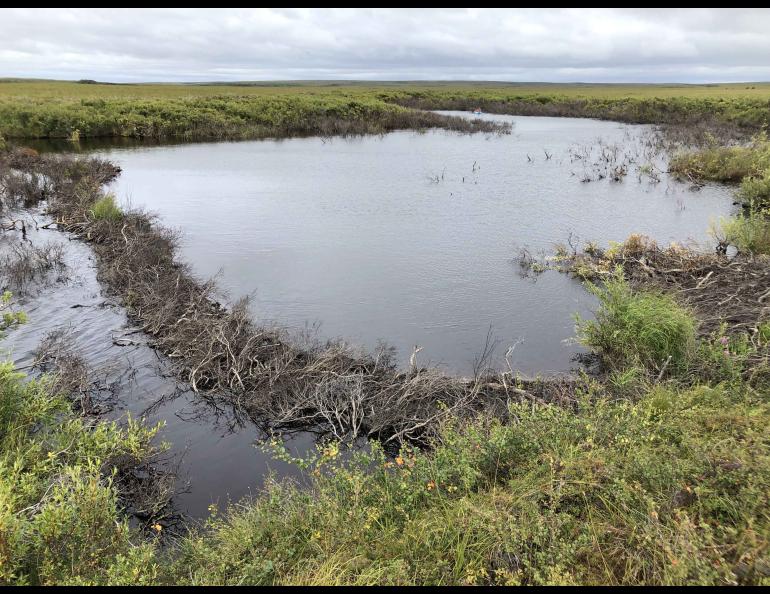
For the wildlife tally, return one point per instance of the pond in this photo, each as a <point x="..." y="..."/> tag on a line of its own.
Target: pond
<point x="407" y="238"/>
<point x="217" y="455"/>
<point x="411" y="238"/>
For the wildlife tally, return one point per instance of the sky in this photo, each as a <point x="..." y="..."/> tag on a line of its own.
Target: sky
<point x="511" y="44"/>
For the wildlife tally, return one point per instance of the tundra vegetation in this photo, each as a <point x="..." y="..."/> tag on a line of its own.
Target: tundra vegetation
<point x="51" y="109"/>
<point x="653" y="467"/>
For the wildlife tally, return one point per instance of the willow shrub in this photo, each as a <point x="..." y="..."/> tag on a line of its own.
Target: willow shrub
<point x="632" y="329"/>
<point x="60" y="519"/>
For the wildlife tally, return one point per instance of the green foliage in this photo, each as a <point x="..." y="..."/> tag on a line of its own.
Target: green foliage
<point x="663" y="490"/>
<point x="107" y="209"/>
<point x="9" y="319"/>
<point x="59" y="513"/>
<point x="638" y="329"/>
<point x="755" y="192"/>
<point x="215" y="116"/>
<point x="725" y="358"/>
<point x="763" y="330"/>
<point x="750" y="232"/>
<point x="725" y="163"/>
<point x="48" y="109"/>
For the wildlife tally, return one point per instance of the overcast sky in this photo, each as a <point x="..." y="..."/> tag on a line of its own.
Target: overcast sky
<point x="605" y="45"/>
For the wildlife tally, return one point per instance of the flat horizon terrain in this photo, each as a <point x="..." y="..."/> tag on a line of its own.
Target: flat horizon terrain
<point x="59" y="89"/>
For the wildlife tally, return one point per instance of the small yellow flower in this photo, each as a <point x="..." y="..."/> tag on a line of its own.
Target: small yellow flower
<point x="399" y="460"/>
<point x="157" y="527"/>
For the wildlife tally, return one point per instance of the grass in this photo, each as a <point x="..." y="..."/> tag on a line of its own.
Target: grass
<point x="663" y="490"/>
<point x="669" y="488"/>
<point x="107" y="209"/>
<point x="53" y="89"/>
<point x="638" y="328"/>
<point x="51" y="109"/>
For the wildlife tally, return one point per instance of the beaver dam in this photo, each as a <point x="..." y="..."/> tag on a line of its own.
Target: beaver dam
<point x="408" y="238"/>
<point x="343" y="245"/>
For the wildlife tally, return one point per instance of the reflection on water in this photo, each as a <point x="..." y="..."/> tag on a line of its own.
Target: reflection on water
<point x="219" y="460"/>
<point x="409" y="238"/>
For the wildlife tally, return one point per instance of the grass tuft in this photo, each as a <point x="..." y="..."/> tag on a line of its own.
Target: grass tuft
<point x="633" y="329"/>
<point x="107" y="209"/>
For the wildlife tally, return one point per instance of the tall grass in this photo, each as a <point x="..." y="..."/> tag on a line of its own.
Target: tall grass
<point x="632" y="329"/>
<point x="106" y="209"/>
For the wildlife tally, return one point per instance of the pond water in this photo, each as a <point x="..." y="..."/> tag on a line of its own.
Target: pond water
<point x="408" y="238"/>
<point x="217" y="456"/>
<point x="411" y="238"/>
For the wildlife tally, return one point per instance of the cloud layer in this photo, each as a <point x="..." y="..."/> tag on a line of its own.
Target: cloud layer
<point x="604" y="45"/>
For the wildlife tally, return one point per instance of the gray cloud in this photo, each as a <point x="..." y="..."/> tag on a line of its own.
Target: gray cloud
<point x="649" y="45"/>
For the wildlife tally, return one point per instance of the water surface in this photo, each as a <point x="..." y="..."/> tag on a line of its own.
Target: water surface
<point x="410" y="238"/>
<point x="217" y="455"/>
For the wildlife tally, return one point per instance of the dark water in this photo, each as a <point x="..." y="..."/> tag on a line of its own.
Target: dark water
<point x="219" y="461"/>
<point x="409" y="238"/>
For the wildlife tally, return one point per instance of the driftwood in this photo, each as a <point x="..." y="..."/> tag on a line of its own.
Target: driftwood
<point x="327" y="387"/>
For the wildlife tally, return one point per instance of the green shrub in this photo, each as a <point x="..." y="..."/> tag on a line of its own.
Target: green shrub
<point x="60" y="521"/>
<point x="750" y="233"/>
<point x="9" y="319"/>
<point x="725" y="163"/>
<point x="670" y="489"/>
<point x="755" y="193"/>
<point x="638" y="328"/>
<point x="107" y="209"/>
